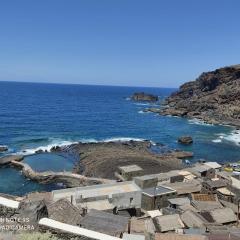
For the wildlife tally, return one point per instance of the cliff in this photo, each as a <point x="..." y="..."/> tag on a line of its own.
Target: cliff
<point x="213" y="97"/>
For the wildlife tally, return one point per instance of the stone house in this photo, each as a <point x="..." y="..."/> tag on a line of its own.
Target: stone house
<point x="127" y="173"/>
<point x="115" y="196"/>
<point x="157" y="197"/>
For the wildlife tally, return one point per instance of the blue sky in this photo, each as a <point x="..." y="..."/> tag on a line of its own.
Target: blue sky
<point x="117" y="42"/>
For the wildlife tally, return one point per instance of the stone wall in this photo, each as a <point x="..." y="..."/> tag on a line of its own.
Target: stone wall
<point x="6" y="212"/>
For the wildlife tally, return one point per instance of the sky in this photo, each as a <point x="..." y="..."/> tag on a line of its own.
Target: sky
<point x="155" y="43"/>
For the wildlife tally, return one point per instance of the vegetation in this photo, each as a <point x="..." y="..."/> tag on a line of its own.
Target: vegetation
<point x="37" y="236"/>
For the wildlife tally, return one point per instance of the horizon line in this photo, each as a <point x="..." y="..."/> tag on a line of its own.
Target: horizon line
<point x="85" y="84"/>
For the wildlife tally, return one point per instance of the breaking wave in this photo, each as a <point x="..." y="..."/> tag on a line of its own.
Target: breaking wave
<point x="233" y="137"/>
<point x="143" y="112"/>
<point x="46" y="148"/>
<point x="63" y="143"/>
<point x="198" y="122"/>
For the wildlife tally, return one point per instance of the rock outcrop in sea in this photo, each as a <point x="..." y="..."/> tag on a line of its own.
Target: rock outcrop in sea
<point x="3" y="148"/>
<point x="141" y="96"/>
<point x="8" y="159"/>
<point x="213" y="97"/>
<point x="185" y="140"/>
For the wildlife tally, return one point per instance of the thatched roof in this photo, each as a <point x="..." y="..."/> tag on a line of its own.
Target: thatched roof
<point x="63" y="211"/>
<point x="104" y="222"/>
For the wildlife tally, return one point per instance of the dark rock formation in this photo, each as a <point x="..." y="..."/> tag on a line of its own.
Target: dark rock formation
<point x="144" y="97"/>
<point x="8" y="159"/>
<point x="3" y="148"/>
<point x="33" y="211"/>
<point x="214" y="97"/>
<point x="68" y="179"/>
<point x="103" y="159"/>
<point x="185" y="140"/>
<point x="65" y="212"/>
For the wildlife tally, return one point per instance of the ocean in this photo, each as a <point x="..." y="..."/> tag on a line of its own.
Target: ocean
<point x="37" y="116"/>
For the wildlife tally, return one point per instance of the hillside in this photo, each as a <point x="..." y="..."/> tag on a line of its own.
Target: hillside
<point x="213" y="97"/>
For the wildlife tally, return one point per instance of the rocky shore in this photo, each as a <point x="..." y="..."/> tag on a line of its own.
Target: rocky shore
<point x="3" y="148"/>
<point x="102" y="159"/>
<point x="8" y="159"/>
<point x="68" y="179"/>
<point x="97" y="162"/>
<point x="214" y="97"/>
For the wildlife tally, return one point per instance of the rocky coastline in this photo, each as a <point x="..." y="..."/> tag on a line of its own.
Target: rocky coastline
<point x="102" y="159"/>
<point x="214" y="97"/>
<point x="68" y="179"/>
<point x="97" y="162"/>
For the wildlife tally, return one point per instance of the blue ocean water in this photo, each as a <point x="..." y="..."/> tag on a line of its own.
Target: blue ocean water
<point x="38" y="116"/>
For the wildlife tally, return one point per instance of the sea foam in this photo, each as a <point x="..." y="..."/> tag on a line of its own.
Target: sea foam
<point x="64" y="143"/>
<point x="45" y="148"/>
<point x="198" y="122"/>
<point x="233" y="137"/>
<point x="143" y="112"/>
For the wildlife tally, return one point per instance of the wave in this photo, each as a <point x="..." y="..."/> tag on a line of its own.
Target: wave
<point x="64" y="143"/>
<point x="142" y="104"/>
<point x="126" y="139"/>
<point x="123" y="139"/>
<point x="34" y="140"/>
<point x="115" y="139"/>
<point x="199" y="122"/>
<point x="46" y="148"/>
<point x="143" y="112"/>
<point x="233" y="137"/>
<point x="172" y="116"/>
<point x="147" y="104"/>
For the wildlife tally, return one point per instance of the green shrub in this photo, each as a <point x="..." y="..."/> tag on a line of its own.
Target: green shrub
<point x="36" y="236"/>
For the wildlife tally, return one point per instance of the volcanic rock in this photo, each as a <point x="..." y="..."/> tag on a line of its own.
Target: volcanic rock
<point x="8" y="159"/>
<point x="214" y="97"/>
<point x="32" y="210"/>
<point x="3" y="148"/>
<point x="103" y="159"/>
<point x="141" y="96"/>
<point x="185" y="140"/>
